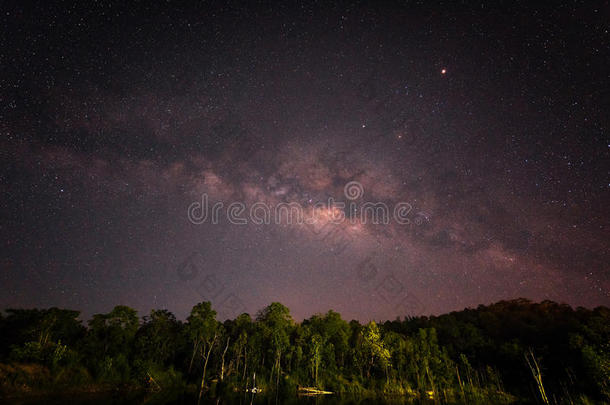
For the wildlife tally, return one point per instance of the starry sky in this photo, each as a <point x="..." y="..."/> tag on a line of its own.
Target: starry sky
<point x="489" y="121"/>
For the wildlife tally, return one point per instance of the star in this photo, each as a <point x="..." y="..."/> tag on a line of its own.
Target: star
<point x="116" y="169"/>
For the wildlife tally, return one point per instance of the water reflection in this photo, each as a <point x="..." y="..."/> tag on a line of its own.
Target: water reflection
<point x="170" y="398"/>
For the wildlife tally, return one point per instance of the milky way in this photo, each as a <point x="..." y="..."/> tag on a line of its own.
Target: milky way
<point x="490" y="124"/>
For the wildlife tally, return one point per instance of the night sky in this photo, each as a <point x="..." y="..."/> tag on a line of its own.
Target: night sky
<point x="489" y="124"/>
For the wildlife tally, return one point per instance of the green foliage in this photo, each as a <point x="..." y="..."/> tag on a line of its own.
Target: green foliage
<point x="276" y="326"/>
<point x="374" y="348"/>
<point x="52" y="355"/>
<point x="112" y="334"/>
<point x="41" y="326"/>
<point x="472" y="356"/>
<point x="156" y="339"/>
<point x="201" y="323"/>
<point x="114" y="370"/>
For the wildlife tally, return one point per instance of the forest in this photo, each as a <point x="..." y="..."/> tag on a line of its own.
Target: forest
<point x="505" y="352"/>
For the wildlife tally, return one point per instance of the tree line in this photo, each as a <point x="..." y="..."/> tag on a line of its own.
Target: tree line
<point x="503" y="352"/>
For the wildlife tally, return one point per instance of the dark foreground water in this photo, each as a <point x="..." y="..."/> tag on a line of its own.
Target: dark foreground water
<point x="180" y="398"/>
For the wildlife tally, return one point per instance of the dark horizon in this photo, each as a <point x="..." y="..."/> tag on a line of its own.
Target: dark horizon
<point x="482" y="131"/>
<point x="254" y="315"/>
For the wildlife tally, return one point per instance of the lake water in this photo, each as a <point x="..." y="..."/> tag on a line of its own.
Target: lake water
<point x="178" y="398"/>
